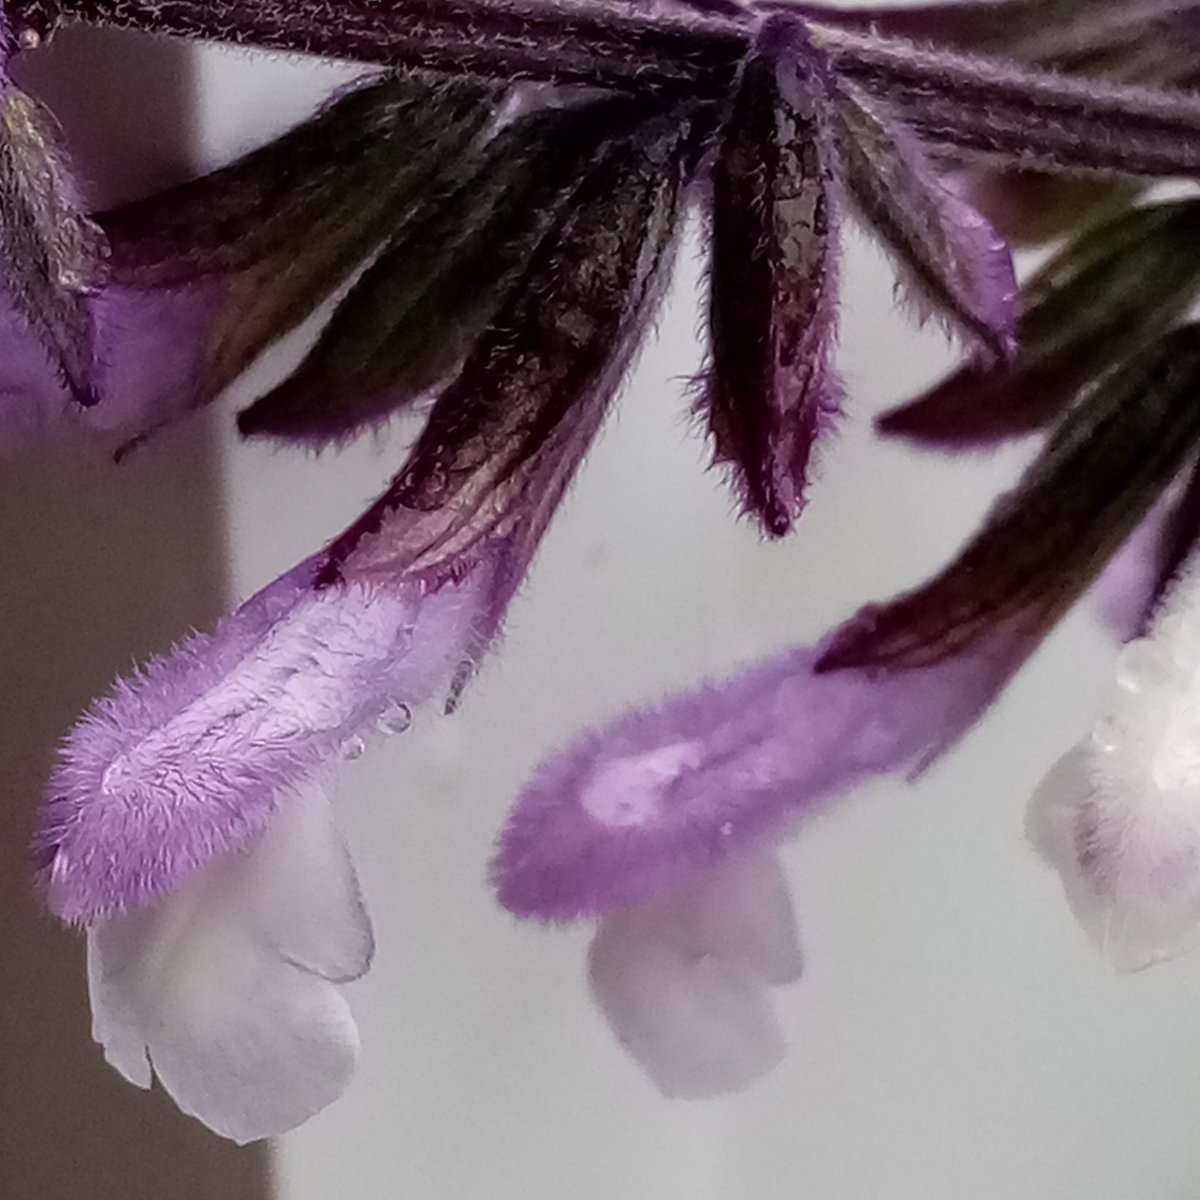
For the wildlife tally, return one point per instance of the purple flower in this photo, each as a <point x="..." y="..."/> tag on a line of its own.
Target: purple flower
<point x="188" y="827"/>
<point x="190" y="759"/>
<point x="188" y="807"/>
<point x="661" y="825"/>
<point x="664" y="795"/>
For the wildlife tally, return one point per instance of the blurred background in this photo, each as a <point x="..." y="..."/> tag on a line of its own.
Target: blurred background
<point x="954" y="1036"/>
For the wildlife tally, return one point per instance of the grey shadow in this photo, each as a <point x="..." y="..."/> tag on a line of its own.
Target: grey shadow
<point x="99" y="566"/>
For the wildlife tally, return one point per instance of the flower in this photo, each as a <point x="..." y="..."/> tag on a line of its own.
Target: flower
<point x="1119" y="815"/>
<point x="188" y="827"/>
<point x="661" y="826"/>
<point x="188" y="805"/>
<point x="664" y="795"/>
<point x="501" y="249"/>
<point x="190" y="759"/>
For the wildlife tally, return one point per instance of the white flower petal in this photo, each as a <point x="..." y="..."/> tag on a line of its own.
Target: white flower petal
<point x="683" y="981"/>
<point x="1129" y="861"/>
<point x="306" y="895"/>
<point x="113" y="1024"/>
<point x="226" y="984"/>
<point x="743" y="912"/>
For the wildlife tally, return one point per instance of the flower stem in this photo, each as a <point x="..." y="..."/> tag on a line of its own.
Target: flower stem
<point x="972" y="105"/>
<point x="592" y="45"/>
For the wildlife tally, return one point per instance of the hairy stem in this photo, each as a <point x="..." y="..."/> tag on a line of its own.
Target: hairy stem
<point x="563" y="43"/>
<point x="977" y="105"/>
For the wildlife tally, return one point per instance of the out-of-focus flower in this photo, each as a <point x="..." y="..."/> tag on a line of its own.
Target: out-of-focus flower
<point x="661" y="825"/>
<point x="684" y="980"/>
<point x="1119" y="816"/>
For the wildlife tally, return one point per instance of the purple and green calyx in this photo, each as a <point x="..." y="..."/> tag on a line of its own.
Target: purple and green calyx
<point x="496" y="207"/>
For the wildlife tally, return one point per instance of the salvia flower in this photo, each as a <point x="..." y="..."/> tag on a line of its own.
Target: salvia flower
<point x="188" y="827"/>
<point x="662" y="826"/>
<point x="495" y="211"/>
<point x="190" y="801"/>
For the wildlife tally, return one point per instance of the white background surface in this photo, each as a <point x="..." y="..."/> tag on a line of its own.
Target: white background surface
<point x="953" y="1038"/>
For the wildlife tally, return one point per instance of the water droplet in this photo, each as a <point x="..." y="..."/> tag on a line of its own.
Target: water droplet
<point x="396" y="718"/>
<point x="353" y="747"/>
<point x="1140" y="666"/>
<point x="1108" y="733"/>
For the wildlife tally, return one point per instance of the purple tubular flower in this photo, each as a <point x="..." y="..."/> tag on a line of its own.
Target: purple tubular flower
<point x="188" y="803"/>
<point x="189" y="760"/>
<point x="770" y="388"/>
<point x="668" y="792"/>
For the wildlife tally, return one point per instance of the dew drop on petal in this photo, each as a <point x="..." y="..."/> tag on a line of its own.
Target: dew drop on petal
<point x="1140" y="666"/>
<point x="353" y="747"/>
<point x="396" y="718"/>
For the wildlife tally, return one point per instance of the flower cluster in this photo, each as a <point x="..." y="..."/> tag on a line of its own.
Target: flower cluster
<point x="498" y="210"/>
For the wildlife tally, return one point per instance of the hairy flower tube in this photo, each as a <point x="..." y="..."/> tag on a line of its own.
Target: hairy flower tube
<point x="490" y="216"/>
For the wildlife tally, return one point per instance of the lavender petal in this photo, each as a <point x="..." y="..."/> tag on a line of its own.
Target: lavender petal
<point x="667" y="792"/>
<point x="188" y="760"/>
